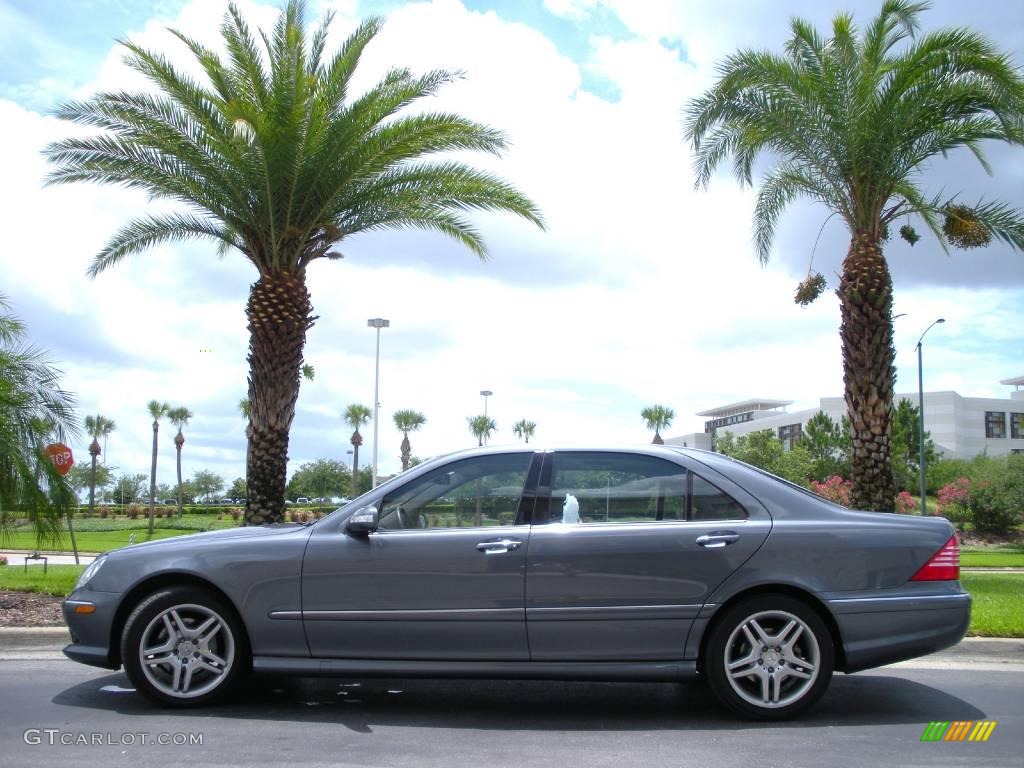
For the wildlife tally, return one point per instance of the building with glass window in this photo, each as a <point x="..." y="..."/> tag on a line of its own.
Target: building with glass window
<point x="961" y="427"/>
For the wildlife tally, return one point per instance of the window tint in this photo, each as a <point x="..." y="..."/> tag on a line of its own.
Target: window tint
<point x="615" y="488"/>
<point x="710" y="503"/>
<point x="477" y="492"/>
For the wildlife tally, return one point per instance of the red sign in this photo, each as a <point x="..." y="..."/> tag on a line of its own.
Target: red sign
<point x="61" y="457"/>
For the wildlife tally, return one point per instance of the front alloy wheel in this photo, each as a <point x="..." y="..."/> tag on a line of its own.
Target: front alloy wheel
<point x="182" y="647"/>
<point x="769" y="657"/>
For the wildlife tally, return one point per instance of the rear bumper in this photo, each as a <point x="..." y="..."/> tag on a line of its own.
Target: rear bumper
<point x="883" y="630"/>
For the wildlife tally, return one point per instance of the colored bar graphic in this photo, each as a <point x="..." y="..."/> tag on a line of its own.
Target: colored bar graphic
<point x="958" y="730"/>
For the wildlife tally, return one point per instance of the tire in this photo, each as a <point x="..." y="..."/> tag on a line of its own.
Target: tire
<point x="784" y="646"/>
<point x="183" y="647"/>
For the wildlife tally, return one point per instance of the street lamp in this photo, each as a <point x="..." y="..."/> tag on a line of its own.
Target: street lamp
<point x="485" y="393"/>
<point x="378" y="323"/>
<point x="920" y="411"/>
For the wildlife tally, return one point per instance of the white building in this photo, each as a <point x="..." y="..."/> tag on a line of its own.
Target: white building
<point x="961" y="427"/>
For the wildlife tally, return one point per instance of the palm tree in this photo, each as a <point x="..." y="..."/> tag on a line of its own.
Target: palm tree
<point x="481" y="427"/>
<point x="243" y="408"/>
<point x="852" y="121"/>
<point x="408" y="421"/>
<point x="271" y="157"/>
<point x="34" y="411"/>
<point x="657" y="417"/>
<point x="179" y="417"/>
<point x="355" y="416"/>
<point x="524" y="429"/>
<point x="157" y="410"/>
<point x="96" y="427"/>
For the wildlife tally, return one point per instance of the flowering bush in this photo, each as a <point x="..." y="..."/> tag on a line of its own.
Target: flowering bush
<point x="905" y="503"/>
<point x="835" y="489"/>
<point x="954" y="501"/>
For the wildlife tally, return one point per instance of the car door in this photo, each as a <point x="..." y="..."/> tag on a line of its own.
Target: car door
<point x="442" y="577"/>
<point x="629" y="550"/>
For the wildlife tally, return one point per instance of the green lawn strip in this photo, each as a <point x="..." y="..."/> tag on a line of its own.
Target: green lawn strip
<point x="58" y="579"/>
<point x="998" y="609"/>
<point x="992" y="559"/>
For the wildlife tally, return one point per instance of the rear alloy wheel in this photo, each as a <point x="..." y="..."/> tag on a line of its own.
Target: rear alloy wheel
<point x="769" y="657"/>
<point x="182" y="647"/>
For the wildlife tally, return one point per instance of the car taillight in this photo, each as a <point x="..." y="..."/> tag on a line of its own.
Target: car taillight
<point x="944" y="565"/>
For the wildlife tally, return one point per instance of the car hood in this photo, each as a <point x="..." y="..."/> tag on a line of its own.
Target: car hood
<point x="194" y="540"/>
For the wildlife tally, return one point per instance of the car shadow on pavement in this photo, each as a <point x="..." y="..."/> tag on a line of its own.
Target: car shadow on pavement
<point x="362" y="704"/>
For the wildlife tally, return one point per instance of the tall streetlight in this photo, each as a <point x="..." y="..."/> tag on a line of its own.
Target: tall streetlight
<point x="920" y="410"/>
<point x="378" y="323"/>
<point x="485" y="393"/>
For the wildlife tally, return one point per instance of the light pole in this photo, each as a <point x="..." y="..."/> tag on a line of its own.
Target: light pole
<point x="485" y="393"/>
<point x="920" y="411"/>
<point x="378" y="323"/>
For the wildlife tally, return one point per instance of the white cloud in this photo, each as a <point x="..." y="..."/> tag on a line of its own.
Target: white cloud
<point x="668" y="305"/>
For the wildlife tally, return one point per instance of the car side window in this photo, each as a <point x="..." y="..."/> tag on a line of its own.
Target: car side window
<point x="477" y="492"/>
<point x="708" y="502"/>
<point x="615" y="488"/>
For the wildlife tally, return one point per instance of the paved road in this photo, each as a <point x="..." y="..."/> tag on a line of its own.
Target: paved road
<point x="871" y="719"/>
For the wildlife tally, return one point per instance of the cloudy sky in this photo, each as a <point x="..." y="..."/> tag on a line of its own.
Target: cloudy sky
<point x="642" y="290"/>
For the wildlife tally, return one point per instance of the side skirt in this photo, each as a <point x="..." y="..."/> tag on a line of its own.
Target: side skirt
<point x="636" y="671"/>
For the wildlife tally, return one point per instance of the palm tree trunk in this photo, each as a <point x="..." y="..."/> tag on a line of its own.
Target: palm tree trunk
<point x="657" y="439"/>
<point x="179" y="441"/>
<point x="356" y="440"/>
<point x="406" y="451"/>
<point x="279" y="313"/>
<point x="92" y="487"/>
<point x="865" y="299"/>
<point x="152" y="478"/>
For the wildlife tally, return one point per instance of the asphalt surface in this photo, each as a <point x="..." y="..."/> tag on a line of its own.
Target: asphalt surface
<point x="870" y="719"/>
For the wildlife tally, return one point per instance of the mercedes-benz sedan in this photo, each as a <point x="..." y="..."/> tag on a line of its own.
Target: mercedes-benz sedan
<point x="643" y="564"/>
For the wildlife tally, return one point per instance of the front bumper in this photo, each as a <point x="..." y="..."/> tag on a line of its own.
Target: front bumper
<point x="883" y="630"/>
<point x="91" y="632"/>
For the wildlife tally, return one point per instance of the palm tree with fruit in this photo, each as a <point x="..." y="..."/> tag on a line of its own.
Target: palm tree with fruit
<point x="96" y="427"/>
<point x="851" y="121"/>
<point x="272" y="155"/>
<point x="180" y="418"/>
<point x="355" y="416"/>
<point x="408" y="421"/>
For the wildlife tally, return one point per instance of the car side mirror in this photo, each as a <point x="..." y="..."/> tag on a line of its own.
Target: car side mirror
<point x="362" y="522"/>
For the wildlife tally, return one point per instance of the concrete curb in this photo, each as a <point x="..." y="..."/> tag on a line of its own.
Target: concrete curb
<point x="33" y="638"/>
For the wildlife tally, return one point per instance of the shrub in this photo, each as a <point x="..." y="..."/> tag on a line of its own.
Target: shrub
<point x="991" y="508"/>
<point x="104" y="512"/>
<point x="3" y="560"/>
<point x="835" y="489"/>
<point x="235" y="513"/>
<point x="905" y="503"/>
<point x="133" y="511"/>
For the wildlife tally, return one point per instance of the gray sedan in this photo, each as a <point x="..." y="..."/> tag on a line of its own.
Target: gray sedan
<point x="650" y="563"/>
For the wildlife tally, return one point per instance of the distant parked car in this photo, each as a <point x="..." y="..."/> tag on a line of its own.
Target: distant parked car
<point x="302" y="500"/>
<point x="170" y="501"/>
<point x="649" y="563"/>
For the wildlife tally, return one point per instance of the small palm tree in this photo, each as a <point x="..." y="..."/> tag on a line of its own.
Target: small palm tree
<point x="157" y="410"/>
<point x="273" y="155"/>
<point x="33" y="411"/>
<point x="481" y="427"/>
<point x="657" y="417"/>
<point x="850" y="122"/>
<point x="96" y="427"/>
<point x="179" y="417"/>
<point x="408" y="421"/>
<point x="356" y="416"/>
<point x="524" y="429"/>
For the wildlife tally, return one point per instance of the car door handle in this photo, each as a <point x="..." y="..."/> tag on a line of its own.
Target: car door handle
<point x="717" y="539"/>
<point x="498" y="546"/>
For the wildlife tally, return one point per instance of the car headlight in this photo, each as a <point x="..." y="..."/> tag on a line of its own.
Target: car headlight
<point x="90" y="570"/>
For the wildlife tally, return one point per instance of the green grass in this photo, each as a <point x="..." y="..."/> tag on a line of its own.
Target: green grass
<point x="992" y="559"/>
<point x="58" y="579"/>
<point x="103" y="534"/>
<point x="998" y="609"/>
